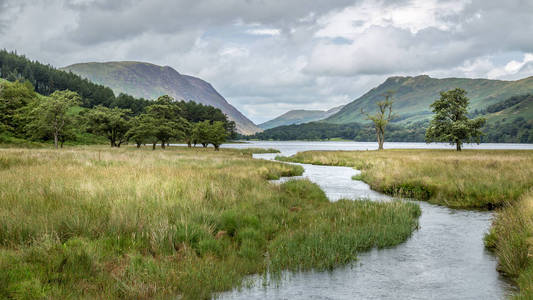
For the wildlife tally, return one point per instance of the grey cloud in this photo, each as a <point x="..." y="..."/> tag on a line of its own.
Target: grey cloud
<point x="265" y="75"/>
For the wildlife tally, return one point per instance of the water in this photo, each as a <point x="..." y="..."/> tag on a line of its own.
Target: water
<point x="444" y="259"/>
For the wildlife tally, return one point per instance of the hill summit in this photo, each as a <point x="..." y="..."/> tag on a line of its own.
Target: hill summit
<point x="413" y="96"/>
<point x="150" y="81"/>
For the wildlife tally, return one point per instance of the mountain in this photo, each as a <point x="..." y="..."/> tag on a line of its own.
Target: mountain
<point x="299" y="116"/>
<point x="413" y="96"/>
<point x="150" y="81"/>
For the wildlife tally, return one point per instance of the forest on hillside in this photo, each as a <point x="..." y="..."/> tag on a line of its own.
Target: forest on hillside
<point x="39" y="103"/>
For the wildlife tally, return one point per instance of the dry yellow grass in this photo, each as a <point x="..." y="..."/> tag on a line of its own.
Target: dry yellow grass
<point x="467" y="179"/>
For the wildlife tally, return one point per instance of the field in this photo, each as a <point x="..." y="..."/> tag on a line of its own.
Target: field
<point x="93" y="222"/>
<point x="479" y="179"/>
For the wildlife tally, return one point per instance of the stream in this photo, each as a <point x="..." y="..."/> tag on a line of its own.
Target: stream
<point x="444" y="259"/>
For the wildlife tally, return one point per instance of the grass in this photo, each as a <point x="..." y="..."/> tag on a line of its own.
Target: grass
<point x="93" y="222"/>
<point x="468" y="179"/>
<point x="258" y="150"/>
<point x="511" y="238"/>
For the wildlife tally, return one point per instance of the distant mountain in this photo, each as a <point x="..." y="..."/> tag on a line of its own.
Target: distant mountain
<point x="299" y="116"/>
<point x="413" y="96"/>
<point x="150" y="81"/>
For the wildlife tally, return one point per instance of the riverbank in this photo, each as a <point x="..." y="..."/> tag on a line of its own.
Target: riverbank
<point x="469" y="179"/>
<point x="128" y="223"/>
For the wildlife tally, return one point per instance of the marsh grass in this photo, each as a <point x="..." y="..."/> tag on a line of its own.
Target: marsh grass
<point x="511" y="238"/>
<point x="93" y="222"/>
<point x="469" y="179"/>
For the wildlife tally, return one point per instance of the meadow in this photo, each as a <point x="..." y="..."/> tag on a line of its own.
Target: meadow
<point x="94" y="222"/>
<point x="471" y="179"/>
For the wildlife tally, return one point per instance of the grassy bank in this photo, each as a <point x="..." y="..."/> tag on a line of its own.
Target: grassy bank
<point x="469" y="179"/>
<point x="511" y="238"/>
<point x="93" y="222"/>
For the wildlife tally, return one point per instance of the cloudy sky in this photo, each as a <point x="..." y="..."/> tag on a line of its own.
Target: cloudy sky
<point x="270" y="56"/>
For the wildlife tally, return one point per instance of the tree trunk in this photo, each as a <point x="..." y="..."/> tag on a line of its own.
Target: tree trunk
<point x="204" y="145"/>
<point x="380" y="139"/>
<point x="163" y="145"/>
<point x="55" y="140"/>
<point x="153" y="146"/>
<point x="138" y="145"/>
<point x="189" y="144"/>
<point x="216" y="147"/>
<point x="458" y="144"/>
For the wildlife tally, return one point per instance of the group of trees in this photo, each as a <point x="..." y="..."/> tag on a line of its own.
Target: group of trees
<point x="28" y="115"/>
<point x="39" y="102"/>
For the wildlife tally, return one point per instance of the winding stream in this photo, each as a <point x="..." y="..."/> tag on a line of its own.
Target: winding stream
<point x="444" y="259"/>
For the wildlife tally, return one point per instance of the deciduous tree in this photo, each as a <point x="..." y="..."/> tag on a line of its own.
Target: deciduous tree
<point x="113" y="123"/>
<point x="217" y="134"/>
<point x="50" y="116"/>
<point x="451" y="123"/>
<point x="382" y="118"/>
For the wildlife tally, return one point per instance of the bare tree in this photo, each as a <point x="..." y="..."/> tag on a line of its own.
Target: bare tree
<point x="382" y="118"/>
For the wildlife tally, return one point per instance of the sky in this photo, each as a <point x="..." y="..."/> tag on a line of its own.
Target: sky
<point x="270" y="56"/>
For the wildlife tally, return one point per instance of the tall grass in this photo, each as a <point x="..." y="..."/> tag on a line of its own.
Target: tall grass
<point x="93" y="222"/>
<point x="511" y="238"/>
<point x="469" y="179"/>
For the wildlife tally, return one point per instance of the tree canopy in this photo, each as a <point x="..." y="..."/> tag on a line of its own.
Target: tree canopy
<point x="381" y="119"/>
<point x="50" y="116"/>
<point x="451" y="123"/>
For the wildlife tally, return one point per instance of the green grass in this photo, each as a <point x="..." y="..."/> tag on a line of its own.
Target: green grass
<point x="511" y="238"/>
<point x="467" y="179"/>
<point x="94" y="222"/>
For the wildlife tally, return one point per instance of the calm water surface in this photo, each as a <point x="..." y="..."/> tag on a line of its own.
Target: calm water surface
<point x="444" y="259"/>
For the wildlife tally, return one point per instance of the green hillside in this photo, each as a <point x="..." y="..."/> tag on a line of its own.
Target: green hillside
<point x="299" y="116"/>
<point x="413" y="96"/>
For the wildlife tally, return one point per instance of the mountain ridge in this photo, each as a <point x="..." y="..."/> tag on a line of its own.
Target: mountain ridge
<point x="299" y="116"/>
<point x="413" y="96"/>
<point x="148" y="80"/>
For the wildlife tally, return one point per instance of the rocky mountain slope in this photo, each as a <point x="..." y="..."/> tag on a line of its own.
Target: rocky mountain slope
<point x="150" y="81"/>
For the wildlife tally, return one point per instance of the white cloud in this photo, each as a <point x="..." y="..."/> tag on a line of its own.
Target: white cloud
<point x="514" y="68"/>
<point x="263" y="31"/>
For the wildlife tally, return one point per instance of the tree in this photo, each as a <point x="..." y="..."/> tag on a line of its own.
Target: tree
<point x="51" y="117"/>
<point x="168" y="122"/>
<point x="109" y="122"/>
<point x="217" y="134"/>
<point x="201" y="133"/>
<point x="382" y="118"/>
<point x="451" y="123"/>
<point x="142" y="130"/>
<point x="14" y="99"/>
